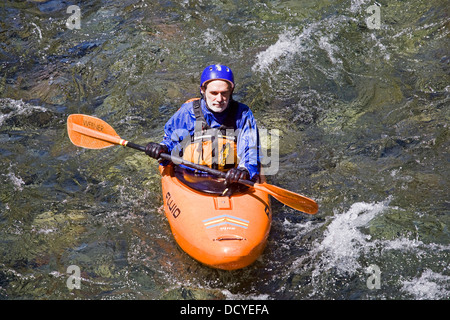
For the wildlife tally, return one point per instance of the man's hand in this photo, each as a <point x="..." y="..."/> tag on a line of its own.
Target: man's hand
<point x="235" y="174"/>
<point x="154" y="149"/>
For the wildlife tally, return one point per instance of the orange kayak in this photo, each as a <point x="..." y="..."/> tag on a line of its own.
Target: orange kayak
<point x="221" y="232"/>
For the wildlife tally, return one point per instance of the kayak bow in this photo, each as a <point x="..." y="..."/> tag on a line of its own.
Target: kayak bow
<point x="221" y="232"/>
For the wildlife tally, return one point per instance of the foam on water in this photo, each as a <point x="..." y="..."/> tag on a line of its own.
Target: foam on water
<point x="430" y="285"/>
<point x="314" y="36"/>
<point x="215" y="40"/>
<point x="347" y="249"/>
<point x="16" y="107"/>
<point x="356" y="5"/>
<point x="320" y="38"/>
<point x="287" y="45"/>
<point x="231" y="296"/>
<point x="344" y="242"/>
<point x="16" y="180"/>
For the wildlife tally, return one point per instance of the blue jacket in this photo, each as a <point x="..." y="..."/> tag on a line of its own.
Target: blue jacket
<point x="181" y="126"/>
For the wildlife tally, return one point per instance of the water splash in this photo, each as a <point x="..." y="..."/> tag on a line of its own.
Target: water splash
<point x="10" y="108"/>
<point x="16" y="180"/>
<point x="344" y="242"/>
<point x="341" y="257"/>
<point x="430" y="285"/>
<point x="287" y="45"/>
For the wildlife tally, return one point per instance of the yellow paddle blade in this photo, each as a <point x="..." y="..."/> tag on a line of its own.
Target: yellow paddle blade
<point x="289" y="198"/>
<point x="91" y="132"/>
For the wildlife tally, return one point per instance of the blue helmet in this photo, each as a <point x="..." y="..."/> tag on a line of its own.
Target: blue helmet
<point x="217" y="72"/>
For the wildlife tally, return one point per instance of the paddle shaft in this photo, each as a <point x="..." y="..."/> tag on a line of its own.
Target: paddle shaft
<point x="178" y="160"/>
<point x="298" y="202"/>
<point x="117" y="140"/>
<point x="94" y="133"/>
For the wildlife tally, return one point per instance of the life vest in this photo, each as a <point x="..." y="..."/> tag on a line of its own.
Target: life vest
<point x="213" y="147"/>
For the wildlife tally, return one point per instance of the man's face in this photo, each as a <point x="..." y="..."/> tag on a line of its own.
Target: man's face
<point x="217" y="95"/>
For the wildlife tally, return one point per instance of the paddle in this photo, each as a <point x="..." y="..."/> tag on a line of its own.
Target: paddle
<point x="93" y="133"/>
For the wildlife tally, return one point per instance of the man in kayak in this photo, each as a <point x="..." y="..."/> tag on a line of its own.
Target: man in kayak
<point x="214" y="130"/>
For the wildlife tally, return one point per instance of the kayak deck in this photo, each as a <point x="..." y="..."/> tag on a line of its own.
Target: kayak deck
<point x="219" y="231"/>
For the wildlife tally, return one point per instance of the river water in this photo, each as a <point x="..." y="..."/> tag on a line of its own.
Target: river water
<point x="361" y="104"/>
